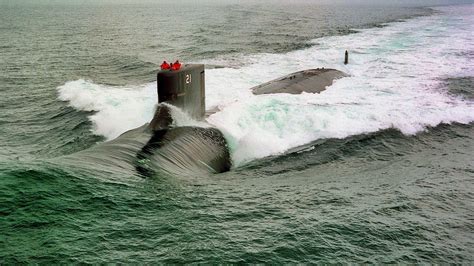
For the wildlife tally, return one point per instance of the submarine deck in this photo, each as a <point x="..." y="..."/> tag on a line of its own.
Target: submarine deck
<point x="311" y="81"/>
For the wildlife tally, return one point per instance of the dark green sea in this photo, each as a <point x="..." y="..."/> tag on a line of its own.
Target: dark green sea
<point x="386" y="174"/>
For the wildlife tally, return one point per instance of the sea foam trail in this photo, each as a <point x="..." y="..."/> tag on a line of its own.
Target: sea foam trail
<point x="396" y="82"/>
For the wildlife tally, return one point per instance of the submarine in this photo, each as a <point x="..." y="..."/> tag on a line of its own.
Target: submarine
<point x="203" y="149"/>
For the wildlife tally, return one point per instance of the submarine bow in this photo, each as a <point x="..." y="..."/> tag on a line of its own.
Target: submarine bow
<point x="185" y="149"/>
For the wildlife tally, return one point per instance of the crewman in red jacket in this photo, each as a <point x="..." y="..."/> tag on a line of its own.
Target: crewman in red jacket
<point x="165" y="65"/>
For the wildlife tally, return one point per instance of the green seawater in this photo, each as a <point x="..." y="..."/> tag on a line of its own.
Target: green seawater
<point x="381" y="197"/>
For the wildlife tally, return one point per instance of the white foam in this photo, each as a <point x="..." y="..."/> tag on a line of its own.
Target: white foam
<point x="396" y="75"/>
<point x="182" y="119"/>
<point x="118" y="109"/>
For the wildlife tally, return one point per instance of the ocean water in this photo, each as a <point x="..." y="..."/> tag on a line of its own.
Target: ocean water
<point x="386" y="176"/>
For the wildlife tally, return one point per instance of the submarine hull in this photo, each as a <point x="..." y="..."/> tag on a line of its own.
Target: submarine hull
<point x="181" y="150"/>
<point x="309" y="81"/>
<point x="162" y="146"/>
<point x="195" y="149"/>
<point x="184" y="150"/>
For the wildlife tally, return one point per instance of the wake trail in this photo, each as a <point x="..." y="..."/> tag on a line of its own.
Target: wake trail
<point x="396" y="81"/>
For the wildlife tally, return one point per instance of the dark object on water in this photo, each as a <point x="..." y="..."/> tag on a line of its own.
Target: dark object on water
<point x="181" y="150"/>
<point x="346" y="58"/>
<point x="188" y="149"/>
<point x="311" y="81"/>
<point x="183" y="88"/>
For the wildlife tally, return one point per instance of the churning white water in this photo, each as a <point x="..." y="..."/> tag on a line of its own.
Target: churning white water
<point x="396" y="76"/>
